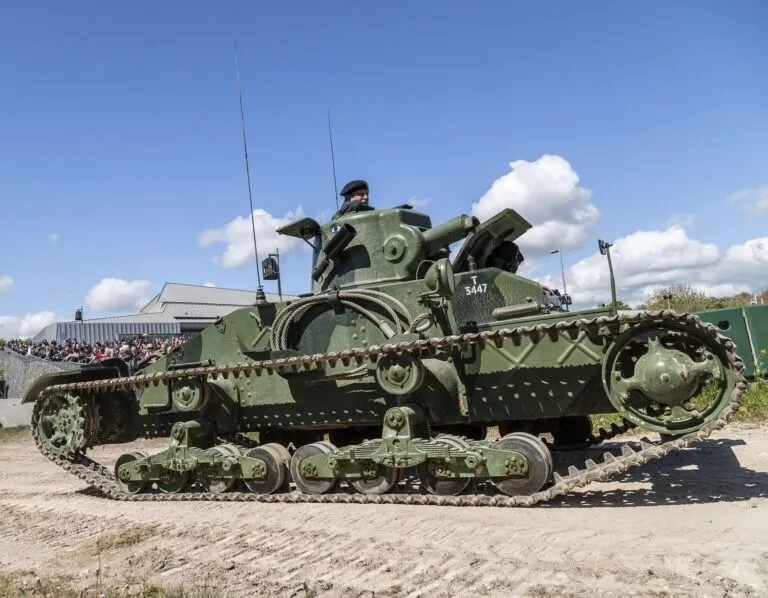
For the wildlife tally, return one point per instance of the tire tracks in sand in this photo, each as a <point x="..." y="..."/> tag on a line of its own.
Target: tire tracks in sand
<point x="713" y="548"/>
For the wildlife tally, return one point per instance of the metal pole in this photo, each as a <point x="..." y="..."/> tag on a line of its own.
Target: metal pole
<point x="605" y="249"/>
<point x="279" y="275"/>
<point x="562" y="272"/>
<point x="613" y="280"/>
<point x="668" y="298"/>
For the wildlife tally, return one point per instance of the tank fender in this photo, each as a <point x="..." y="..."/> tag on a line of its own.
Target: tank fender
<point x="99" y="371"/>
<point x="440" y="392"/>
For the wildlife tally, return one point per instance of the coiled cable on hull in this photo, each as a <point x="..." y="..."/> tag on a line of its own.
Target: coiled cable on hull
<point x="399" y="320"/>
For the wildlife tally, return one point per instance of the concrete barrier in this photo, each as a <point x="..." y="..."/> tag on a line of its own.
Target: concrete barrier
<point x="13" y="413"/>
<point x="20" y="371"/>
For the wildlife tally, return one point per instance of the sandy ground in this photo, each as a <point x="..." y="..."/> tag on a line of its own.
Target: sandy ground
<point x="695" y="524"/>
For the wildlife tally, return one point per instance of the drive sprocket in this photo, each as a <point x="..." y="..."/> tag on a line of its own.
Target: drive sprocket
<point x="656" y="376"/>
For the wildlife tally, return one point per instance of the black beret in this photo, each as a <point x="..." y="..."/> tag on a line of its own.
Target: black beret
<point x="352" y="186"/>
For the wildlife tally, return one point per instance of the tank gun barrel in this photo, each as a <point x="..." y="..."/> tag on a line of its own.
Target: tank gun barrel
<point x="449" y="232"/>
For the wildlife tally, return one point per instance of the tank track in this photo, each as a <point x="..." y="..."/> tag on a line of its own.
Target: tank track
<point x="102" y="479"/>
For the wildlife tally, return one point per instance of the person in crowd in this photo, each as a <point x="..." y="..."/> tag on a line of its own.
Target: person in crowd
<point x="133" y="351"/>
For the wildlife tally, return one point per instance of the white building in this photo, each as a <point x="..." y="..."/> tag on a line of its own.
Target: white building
<point x="177" y="309"/>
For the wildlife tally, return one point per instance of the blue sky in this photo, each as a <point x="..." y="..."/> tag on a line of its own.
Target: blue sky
<point x="122" y="135"/>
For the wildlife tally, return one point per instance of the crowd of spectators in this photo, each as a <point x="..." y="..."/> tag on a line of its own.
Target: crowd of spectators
<point x="134" y="351"/>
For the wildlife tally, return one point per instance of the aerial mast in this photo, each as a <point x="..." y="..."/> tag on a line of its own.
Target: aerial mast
<point x="333" y="162"/>
<point x="261" y="299"/>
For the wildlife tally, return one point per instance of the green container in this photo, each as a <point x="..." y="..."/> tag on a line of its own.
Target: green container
<point x="748" y="328"/>
<point x="757" y="323"/>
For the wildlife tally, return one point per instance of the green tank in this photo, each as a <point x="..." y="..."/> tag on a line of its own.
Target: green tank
<point x="404" y="376"/>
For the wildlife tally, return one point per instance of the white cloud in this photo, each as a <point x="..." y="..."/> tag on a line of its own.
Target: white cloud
<point x="238" y="236"/>
<point x="647" y="260"/>
<point x="208" y="284"/>
<point x="28" y="325"/>
<point x="741" y="264"/>
<point x="529" y="266"/>
<point x="418" y="203"/>
<point x="116" y="294"/>
<point x="753" y="201"/>
<point x="324" y="215"/>
<point x="546" y="192"/>
<point x="53" y="237"/>
<point x="684" y="220"/>
<point x="6" y="282"/>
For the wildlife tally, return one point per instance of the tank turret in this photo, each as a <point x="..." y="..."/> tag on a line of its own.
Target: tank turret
<point x="377" y="246"/>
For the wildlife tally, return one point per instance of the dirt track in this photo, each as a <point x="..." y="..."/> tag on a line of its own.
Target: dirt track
<point x="699" y="529"/>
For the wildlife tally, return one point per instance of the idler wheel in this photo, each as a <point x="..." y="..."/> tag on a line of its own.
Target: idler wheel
<point x="539" y="459"/>
<point x="434" y="475"/>
<point x="277" y="470"/>
<point x="129" y="486"/>
<point x="301" y="474"/>
<point x="214" y="484"/>
<point x="377" y="479"/>
<point x="66" y="424"/>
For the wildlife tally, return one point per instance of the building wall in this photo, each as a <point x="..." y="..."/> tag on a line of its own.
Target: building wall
<point x="93" y="332"/>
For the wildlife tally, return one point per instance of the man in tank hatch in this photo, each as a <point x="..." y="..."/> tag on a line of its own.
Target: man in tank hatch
<point x="355" y="194"/>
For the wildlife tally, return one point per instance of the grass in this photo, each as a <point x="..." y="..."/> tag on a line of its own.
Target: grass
<point x="754" y="407"/>
<point x="30" y="585"/>
<point x="13" y="434"/>
<point x="754" y="403"/>
<point x="119" y="539"/>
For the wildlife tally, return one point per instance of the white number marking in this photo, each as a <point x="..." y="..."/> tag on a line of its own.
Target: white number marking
<point x="475" y="288"/>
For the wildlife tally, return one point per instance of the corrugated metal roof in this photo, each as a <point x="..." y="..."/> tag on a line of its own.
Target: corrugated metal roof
<point x="191" y="310"/>
<point x="188" y="293"/>
<point x="133" y="319"/>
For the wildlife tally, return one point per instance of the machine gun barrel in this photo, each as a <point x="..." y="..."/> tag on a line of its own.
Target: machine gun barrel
<point x="449" y="232"/>
<point x="333" y="248"/>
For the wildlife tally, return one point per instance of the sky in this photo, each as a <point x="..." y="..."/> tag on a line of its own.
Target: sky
<point x="122" y="163"/>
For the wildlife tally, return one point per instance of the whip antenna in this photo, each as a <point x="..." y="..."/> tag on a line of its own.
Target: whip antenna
<point x="333" y="162"/>
<point x="260" y="297"/>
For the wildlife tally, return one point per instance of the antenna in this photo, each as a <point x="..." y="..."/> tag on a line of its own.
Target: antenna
<point x="333" y="162"/>
<point x="260" y="297"/>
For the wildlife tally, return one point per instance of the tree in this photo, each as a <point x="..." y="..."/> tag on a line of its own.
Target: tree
<point x="679" y="297"/>
<point x="684" y="298"/>
<point x="621" y="305"/>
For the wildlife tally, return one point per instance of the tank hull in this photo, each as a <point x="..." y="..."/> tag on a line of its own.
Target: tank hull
<point x="470" y="381"/>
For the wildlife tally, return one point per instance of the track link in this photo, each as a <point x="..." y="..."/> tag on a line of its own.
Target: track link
<point x="102" y="479"/>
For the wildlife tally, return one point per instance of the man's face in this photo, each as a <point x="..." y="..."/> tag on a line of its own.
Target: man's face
<point x="360" y="196"/>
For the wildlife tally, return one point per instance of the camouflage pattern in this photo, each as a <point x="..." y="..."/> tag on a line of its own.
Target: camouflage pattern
<point x="382" y="383"/>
